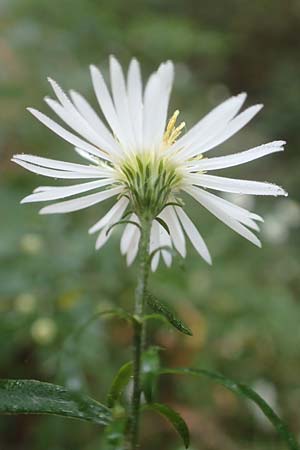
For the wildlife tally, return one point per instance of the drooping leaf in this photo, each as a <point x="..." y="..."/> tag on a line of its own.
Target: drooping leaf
<point x="120" y="381"/>
<point x="244" y="391"/>
<point x="36" y="397"/>
<point x="150" y="369"/>
<point x="161" y="308"/>
<point x="174" y="418"/>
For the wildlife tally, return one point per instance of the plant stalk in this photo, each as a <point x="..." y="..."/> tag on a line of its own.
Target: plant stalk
<point x="139" y="331"/>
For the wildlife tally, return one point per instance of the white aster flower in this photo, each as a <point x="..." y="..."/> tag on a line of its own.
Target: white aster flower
<point x="134" y="155"/>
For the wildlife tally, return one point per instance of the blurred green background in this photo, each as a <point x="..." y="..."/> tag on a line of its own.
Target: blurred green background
<point x="244" y="310"/>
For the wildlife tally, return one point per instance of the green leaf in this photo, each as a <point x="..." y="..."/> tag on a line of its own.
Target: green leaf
<point x="36" y="397"/>
<point x="161" y="308"/>
<point x="119" y="382"/>
<point x="244" y="391"/>
<point x="115" y="434"/>
<point x="150" y="369"/>
<point x="175" y="419"/>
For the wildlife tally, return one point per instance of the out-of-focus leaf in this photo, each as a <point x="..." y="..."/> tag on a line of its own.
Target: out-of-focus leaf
<point x="36" y="397"/>
<point x="115" y="434"/>
<point x="150" y="369"/>
<point x="244" y="391"/>
<point x="161" y="308"/>
<point x="175" y="419"/>
<point x="116" y="312"/>
<point x="120" y="381"/>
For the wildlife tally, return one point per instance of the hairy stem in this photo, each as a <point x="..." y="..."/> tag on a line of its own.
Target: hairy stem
<point x="139" y="331"/>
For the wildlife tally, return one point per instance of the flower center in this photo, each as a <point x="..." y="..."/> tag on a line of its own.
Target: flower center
<point x="149" y="179"/>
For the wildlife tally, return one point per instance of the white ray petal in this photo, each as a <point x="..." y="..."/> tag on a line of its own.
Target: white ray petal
<point x="73" y="118"/>
<point x="92" y="117"/>
<point x="133" y="246"/>
<point x="221" y="162"/>
<point x="154" y="244"/>
<point x="250" y="224"/>
<point x="193" y="234"/>
<point x="127" y="234"/>
<point x="86" y="155"/>
<point x="54" y="193"/>
<point x="232" y="128"/>
<point x="119" y="93"/>
<point x="165" y="241"/>
<point x="113" y="215"/>
<point x="177" y="236"/>
<point x="105" y="102"/>
<point x="102" y="238"/>
<point x="221" y="133"/>
<point x="75" y="123"/>
<point x="232" y="223"/>
<point x="151" y="98"/>
<point x="237" y="212"/>
<point x="61" y="165"/>
<point x="58" y="173"/>
<point x="211" y="123"/>
<point x="166" y="77"/>
<point x="156" y="101"/>
<point x="135" y="101"/>
<point x="63" y="133"/>
<point x="80" y="203"/>
<point x="236" y="186"/>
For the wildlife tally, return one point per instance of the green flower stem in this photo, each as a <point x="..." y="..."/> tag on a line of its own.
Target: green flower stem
<point x="139" y="330"/>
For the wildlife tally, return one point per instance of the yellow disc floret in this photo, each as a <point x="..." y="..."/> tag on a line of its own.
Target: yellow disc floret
<point x="172" y="132"/>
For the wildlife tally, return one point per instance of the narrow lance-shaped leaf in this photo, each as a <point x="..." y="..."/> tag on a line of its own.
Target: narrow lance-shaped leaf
<point x="36" y="397"/>
<point x="244" y="391"/>
<point x="119" y="383"/>
<point x="174" y="418"/>
<point x="150" y="369"/>
<point x="158" y="307"/>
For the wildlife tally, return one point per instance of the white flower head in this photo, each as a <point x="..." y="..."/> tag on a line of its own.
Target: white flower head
<point x="137" y="156"/>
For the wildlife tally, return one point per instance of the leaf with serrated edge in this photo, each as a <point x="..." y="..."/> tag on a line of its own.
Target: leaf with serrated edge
<point x="245" y="391"/>
<point x="36" y="397"/>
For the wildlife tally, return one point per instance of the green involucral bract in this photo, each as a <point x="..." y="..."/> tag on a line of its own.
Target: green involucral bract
<point x="149" y="179"/>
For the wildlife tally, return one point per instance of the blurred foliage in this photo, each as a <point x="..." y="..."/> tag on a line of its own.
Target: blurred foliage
<point x="244" y="311"/>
